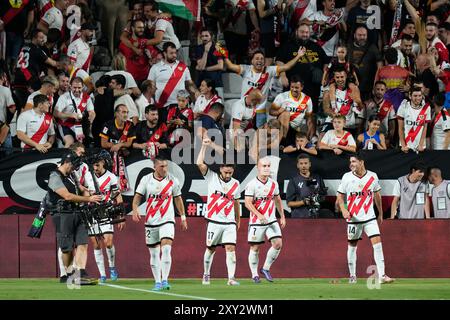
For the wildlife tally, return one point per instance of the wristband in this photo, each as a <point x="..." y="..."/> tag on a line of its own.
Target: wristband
<point x="183" y="217"/>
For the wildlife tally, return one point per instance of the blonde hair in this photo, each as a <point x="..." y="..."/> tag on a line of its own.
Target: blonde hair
<point x="119" y="62"/>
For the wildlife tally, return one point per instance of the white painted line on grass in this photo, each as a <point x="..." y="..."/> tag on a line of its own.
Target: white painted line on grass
<point x="155" y="292"/>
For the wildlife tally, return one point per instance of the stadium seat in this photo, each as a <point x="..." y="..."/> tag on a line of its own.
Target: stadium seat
<point x="232" y="84"/>
<point x="96" y="75"/>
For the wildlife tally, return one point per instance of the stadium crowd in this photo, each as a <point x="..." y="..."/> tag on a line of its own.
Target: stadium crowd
<point x="331" y="76"/>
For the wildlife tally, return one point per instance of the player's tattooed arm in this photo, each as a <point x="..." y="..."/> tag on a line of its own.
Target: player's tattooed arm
<point x="180" y="209"/>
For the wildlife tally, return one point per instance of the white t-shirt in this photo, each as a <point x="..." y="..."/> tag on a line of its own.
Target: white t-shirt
<point x="80" y="53"/>
<point x="297" y="108"/>
<point x="243" y="114"/>
<point x="160" y="74"/>
<point x="141" y="104"/>
<point x="6" y="101"/>
<point x="169" y="33"/>
<point x="440" y="129"/>
<point x="129" y="102"/>
<point x="414" y="121"/>
<point x="202" y="103"/>
<point x="263" y="198"/>
<point x="129" y="80"/>
<point x="221" y="196"/>
<point x="54" y="18"/>
<point x="65" y="105"/>
<point x="33" y="125"/>
<point x="254" y="80"/>
<point x="345" y="106"/>
<point x="159" y="195"/>
<point x="346" y="139"/>
<point x="359" y="192"/>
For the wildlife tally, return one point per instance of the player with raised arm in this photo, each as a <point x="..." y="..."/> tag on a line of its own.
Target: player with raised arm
<point x="261" y="196"/>
<point x="223" y="214"/>
<point x="159" y="189"/>
<point x="357" y="192"/>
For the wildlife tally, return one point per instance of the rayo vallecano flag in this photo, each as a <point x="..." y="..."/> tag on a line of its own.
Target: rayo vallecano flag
<point x="186" y="9"/>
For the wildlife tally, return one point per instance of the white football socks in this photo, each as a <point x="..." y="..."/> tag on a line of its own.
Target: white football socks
<point x="98" y="254"/>
<point x="253" y="261"/>
<point x="62" y="268"/>
<point x="166" y="262"/>
<point x="111" y="253"/>
<point x="351" y="260"/>
<point x="379" y="258"/>
<point x="272" y="255"/>
<point x="155" y="263"/>
<point x="207" y="261"/>
<point x="231" y="264"/>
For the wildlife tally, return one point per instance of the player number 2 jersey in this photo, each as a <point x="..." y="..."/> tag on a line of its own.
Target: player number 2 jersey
<point x="359" y="192"/>
<point x="263" y="198"/>
<point x="159" y="194"/>
<point x="221" y="196"/>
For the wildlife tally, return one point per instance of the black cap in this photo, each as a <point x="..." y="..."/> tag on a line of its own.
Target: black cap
<point x="71" y="157"/>
<point x="88" y="26"/>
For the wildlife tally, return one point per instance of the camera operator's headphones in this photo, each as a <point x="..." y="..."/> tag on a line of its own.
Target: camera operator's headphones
<point x="105" y="156"/>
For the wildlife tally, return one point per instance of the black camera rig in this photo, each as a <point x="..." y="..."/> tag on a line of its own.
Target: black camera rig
<point x="315" y="198"/>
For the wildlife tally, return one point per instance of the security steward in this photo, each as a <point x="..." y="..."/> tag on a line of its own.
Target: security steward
<point x="65" y="198"/>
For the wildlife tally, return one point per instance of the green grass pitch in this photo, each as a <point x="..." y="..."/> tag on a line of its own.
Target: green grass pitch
<point x="139" y="289"/>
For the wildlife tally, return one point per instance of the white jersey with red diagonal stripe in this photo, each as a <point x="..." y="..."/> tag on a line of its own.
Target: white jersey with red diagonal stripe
<point x="36" y="126"/>
<point x="84" y="177"/>
<point x="221" y="196"/>
<point x="159" y="194"/>
<point x="415" y="121"/>
<point x="257" y="80"/>
<point x="107" y="182"/>
<point x="263" y="198"/>
<point x="297" y="108"/>
<point x="359" y="192"/>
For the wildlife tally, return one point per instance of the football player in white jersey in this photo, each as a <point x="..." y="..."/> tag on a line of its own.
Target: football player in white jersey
<point x="262" y="195"/>
<point x="159" y="189"/>
<point x="357" y="192"/>
<point x="107" y="184"/>
<point x="223" y="214"/>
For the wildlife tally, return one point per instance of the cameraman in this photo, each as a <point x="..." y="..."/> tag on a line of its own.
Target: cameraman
<point x="302" y="188"/>
<point x="64" y="197"/>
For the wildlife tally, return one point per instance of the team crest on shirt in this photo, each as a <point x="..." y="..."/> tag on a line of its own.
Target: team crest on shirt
<point x="385" y="109"/>
<point x="421" y="117"/>
<point x="180" y="68"/>
<point x="156" y="136"/>
<point x="47" y="122"/>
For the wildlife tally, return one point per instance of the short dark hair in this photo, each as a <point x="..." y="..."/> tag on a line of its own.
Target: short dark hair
<point x="133" y="23"/>
<point x="418" y="166"/>
<point x="339" y="68"/>
<point x="159" y="158"/>
<point x="116" y="109"/>
<point x="360" y="156"/>
<point x="76" y="79"/>
<point x="218" y="107"/>
<point x="380" y="82"/>
<point x="228" y="165"/>
<point x="359" y="26"/>
<point x="432" y="24"/>
<point x="407" y="37"/>
<point x="155" y="5"/>
<point x="103" y="81"/>
<point x="296" y="78"/>
<point x="53" y="35"/>
<point x="300" y="135"/>
<point x="258" y="51"/>
<point x="303" y="156"/>
<point x="439" y="99"/>
<point x="391" y="55"/>
<point x="210" y="83"/>
<point x="373" y="117"/>
<point x="168" y="45"/>
<point x="120" y="79"/>
<point x="151" y="107"/>
<point x="415" y="89"/>
<point x="35" y="33"/>
<point x="40" y="98"/>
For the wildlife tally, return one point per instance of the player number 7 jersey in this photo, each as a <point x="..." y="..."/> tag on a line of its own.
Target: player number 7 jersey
<point x="359" y="193"/>
<point x="263" y="198"/>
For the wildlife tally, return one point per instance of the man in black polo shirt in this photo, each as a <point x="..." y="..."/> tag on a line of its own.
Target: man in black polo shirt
<point x="119" y="133"/>
<point x="309" y="67"/>
<point x="151" y="136"/>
